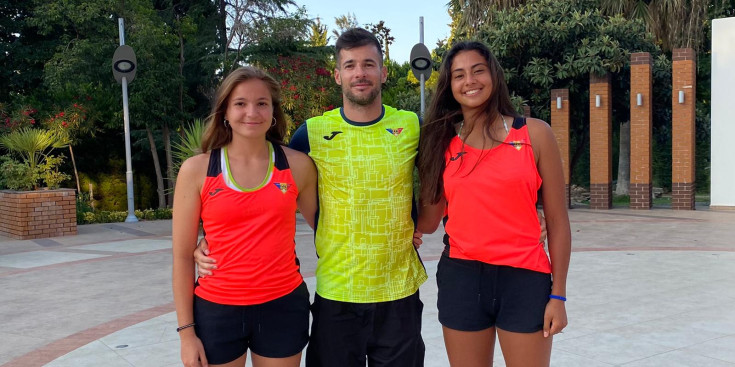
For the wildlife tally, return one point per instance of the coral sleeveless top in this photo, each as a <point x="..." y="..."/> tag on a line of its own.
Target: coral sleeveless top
<point x="250" y="233"/>
<point x="491" y="203"/>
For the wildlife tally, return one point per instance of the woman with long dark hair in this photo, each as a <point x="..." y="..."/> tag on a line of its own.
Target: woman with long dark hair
<point x="245" y="188"/>
<point x="481" y="166"/>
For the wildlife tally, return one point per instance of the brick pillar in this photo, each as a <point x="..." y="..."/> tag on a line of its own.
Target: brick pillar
<point x="600" y="142"/>
<point x="526" y="110"/>
<point x="640" y="131"/>
<point x="682" y="145"/>
<point x="560" y="127"/>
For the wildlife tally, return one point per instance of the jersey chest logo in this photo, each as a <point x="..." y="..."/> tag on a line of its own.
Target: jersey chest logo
<point x="395" y="132"/>
<point x="330" y="137"/>
<point x="282" y="186"/>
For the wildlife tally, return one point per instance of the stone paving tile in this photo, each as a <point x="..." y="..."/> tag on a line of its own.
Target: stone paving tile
<point x="36" y="259"/>
<point x="94" y="354"/>
<point x="679" y="359"/>
<point x="130" y="246"/>
<point x="722" y="349"/>
<point x="609" y="347"/>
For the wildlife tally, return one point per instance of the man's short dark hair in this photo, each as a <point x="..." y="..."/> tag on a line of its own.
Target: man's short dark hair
<point x="356" y="37"/>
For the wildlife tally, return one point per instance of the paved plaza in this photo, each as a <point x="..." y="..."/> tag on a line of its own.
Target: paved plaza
<point x="645" y="288"/>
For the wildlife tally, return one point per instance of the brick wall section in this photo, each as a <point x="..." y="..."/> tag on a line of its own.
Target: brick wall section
<point x="640" y="131"/>
<point x="683" y="131"/>
<point x="526" y="111"/>
<point x="38" y="214"/>
<point x="560" y="127"/>
<point x="600" y="143"/>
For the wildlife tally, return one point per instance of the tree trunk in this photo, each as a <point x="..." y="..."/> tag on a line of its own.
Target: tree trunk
<point x="157" y="166"/>
<point x="76" y="174"/>
<point x="171" y="180"/>
<point x="623" y="185"/>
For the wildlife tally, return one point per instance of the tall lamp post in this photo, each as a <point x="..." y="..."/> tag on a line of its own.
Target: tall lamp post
<point x="421" y="62"/>
<point x="124" y="65"/>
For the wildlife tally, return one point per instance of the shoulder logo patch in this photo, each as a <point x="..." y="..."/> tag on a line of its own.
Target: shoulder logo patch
<point x="395" y="132"/>
<point x="282" y="186"/>
<point x="330" y="137"/>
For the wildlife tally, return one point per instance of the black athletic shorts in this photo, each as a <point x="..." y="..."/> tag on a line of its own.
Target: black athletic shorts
<point x="275" y="329"/>
<point x="347" y="334"/>
<point x="474" y="296"/>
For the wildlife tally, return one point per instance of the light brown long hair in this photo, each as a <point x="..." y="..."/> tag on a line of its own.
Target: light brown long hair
<point x="445" y="112"/>
<point x="216" y="134"/>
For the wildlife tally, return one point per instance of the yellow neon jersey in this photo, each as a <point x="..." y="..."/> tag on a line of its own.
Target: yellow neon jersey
<point x="365" y="230"/>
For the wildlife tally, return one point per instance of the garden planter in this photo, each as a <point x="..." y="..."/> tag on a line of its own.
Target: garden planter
<point x="38" y="214"/>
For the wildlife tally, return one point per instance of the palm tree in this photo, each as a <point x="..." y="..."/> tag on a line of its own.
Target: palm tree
<point x="33" y="145"/>
<point x="674" y="23"/>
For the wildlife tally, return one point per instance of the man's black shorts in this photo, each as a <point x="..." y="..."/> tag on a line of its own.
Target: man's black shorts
<point x="347" y="334"/>
<point x="275" y="329"/>
<point x="475" y="296"/>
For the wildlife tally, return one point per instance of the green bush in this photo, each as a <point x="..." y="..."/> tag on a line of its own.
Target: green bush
<point x="105" y="216"/>
<point x="48" y="171"/>
<point x="15" y="175"/>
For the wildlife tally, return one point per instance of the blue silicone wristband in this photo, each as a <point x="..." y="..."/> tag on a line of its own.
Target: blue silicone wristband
<point x="560" y="298"/>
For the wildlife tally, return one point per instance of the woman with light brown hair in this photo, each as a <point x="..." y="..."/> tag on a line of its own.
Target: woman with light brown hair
<point x="244" y="188"/>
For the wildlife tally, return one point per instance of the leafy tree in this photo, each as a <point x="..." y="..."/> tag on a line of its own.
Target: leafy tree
<point x="239" y="22"/>
<point x="548" y="44"/>
<point x="318" y="36"/>
<point x="383" y="34"/>
<point x="344" y="22"/>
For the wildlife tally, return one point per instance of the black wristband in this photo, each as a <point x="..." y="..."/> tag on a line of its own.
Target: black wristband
<point x="178" y="329"/>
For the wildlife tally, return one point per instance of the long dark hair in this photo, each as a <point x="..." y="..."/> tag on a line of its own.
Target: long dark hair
<point x="217" y="135"/>
<point x="445" y="112"/>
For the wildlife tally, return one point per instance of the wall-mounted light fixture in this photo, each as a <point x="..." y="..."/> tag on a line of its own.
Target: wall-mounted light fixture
<point x="558" y="103"/>
<point x="598" y="103"/>
<point x="639" y="99"/>
<point x="681" y="96"/>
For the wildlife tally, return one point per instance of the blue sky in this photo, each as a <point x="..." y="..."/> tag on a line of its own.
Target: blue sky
<point x="401" y="16"/>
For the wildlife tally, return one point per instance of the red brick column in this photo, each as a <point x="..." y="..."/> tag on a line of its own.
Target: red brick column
<point x="526" y="110"/>
<point x="560" y="127"/>
<point x="600" y="142"/>
<point x="38" y="214"/>
<point x="641" y="131"/>
<point x="683" y="133"/>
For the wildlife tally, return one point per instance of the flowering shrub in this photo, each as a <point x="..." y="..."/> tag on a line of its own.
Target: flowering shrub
<point x="14" y="120"/>
<point x="307" y="86"/>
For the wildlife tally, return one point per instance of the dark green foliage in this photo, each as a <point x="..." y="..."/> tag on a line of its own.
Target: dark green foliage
<point x="15" y="175"/>
<point x="547" y="44"/>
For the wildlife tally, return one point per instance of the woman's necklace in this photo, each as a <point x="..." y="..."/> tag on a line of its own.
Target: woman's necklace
<point x="461" y="125"/>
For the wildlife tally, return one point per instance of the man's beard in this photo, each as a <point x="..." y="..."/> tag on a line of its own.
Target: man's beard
<point x="364" y="100"/>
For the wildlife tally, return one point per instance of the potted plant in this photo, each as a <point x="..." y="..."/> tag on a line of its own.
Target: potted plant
<point x="28" y="209"/>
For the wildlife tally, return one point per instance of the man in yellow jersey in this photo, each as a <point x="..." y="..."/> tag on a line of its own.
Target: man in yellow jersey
<point x="367" y="306"/>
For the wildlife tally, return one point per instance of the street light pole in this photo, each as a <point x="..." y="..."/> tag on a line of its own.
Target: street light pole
<point x="126" y="118"/>
<point x="423" y="82"/>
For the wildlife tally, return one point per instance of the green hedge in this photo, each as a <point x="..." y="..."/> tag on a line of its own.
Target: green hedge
<point x="87" y="216"/>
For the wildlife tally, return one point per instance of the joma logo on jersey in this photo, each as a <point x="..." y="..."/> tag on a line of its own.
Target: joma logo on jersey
<point x="212" y="193"/>
<point x="282" y="186"/>
<point x="330" y="137"/>
<point x="395" y="132"/>
<point x="457" y="156"/>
